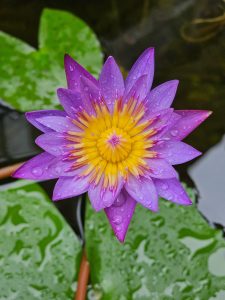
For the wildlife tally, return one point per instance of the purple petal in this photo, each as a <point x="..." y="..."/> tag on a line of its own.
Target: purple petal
<point x="111" y="82"/>
<point x="43" y="167"/>
<point x="160" y="168"/>
<point x="139" y="90"/>
<point x="73" y="73"/>
<point x="53" y="143"/>
<point x="32" y="117"/>
<point x="174" y="118"/>
<point x="143" y="191"/>
<point x="103" y="198"/>
<point x="161" y="121"/>
<point x="188" y="121"/>
<point x="171" y="121"/>
<point x="143" y="66"/>
<point x="59" y="124"/>
<point x="175" y="152"/>
<point x="172" y="190"/>
<point x="70" y="100"/>
<point x="67" y="187"/>
<point x="162" y="96"/>
<point x="120" y="214"/>
<point x="90" y="94"/>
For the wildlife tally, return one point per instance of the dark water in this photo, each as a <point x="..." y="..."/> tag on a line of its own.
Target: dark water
<point x="189" y="37"/>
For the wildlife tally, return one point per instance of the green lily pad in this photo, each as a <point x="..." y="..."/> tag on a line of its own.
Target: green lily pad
<point x="40" y="254"/>
<point x="29" y="77"/>
<point x="170" y="255"/>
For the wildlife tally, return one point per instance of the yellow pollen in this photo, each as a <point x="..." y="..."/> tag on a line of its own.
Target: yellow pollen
<point x="112" y="145"/>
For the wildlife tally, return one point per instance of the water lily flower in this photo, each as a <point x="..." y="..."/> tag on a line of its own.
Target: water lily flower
<point x="117" y="140"/>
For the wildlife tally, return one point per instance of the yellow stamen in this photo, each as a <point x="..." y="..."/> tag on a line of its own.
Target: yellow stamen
<point x="112" y="145"/>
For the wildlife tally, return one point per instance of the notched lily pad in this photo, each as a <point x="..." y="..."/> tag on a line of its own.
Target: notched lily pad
<point x="40" y="254"/>
<point x="173" y="254"/>
<point x="29" y="77"/>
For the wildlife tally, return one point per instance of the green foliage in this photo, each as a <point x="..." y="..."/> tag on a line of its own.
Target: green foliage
<point x="39" y="254"/>
<point x="170" y="255"/>
<point x="29" y="77"/>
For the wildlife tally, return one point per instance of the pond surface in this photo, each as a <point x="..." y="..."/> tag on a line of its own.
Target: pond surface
<point x="189" y="37"/>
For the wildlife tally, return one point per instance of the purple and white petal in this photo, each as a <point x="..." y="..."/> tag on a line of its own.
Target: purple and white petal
<point x="160" y="168"/>
<point x="32" y="117"/>
<point x="172" y="190"/>
<point x="53" y="143"/>
<point x="67" y="187"/>
<point x="138" y="91"/>
<point x="71" y="101"/>
<point x="103" y="198"/>
<point x="188" y="121"/>
<point x="143" y="191"/>
<point x="120" y="214"/>
<point x="73" y="73"/>
<point x="58" y="123"/>
<point x="111" y="82"/>
<point x="143" y="66"/>
<point x="43" y="167"/>
<point x="175" y="152"/>
<point x="162" y="96"/>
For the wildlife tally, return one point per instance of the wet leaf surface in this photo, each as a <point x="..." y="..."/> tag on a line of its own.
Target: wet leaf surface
<point x="30" y="77"/>
<point x="40" y="253"/>
<point x="173" y="254"/>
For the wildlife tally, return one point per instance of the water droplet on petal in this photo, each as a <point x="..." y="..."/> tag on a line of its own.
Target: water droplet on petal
<point x="165" y="186"/>
<point x="118" y="228"/>
<point x="120" y="200"/>
<point x="169" y="197"/>
<point x="117" y="220"/>
<point x="37" y="171"/>
<point x="57" y="170"/>
<point x="107" y="202"/>
<point x="174" y="132"/>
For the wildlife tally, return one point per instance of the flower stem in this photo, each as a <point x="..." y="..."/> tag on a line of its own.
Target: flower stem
<point x="83" y="278"/>
<point x="6" y="172"/>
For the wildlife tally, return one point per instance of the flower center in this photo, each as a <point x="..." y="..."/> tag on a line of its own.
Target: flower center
<point x="114" y="144"/>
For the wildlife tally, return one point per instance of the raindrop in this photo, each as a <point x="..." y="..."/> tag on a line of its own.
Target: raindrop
<point x="165" y="186"/>
<point x="119" y="201"/>
<point x="106" y="201"/>
<point x="174" y="132"/>
<point x="57" y="170"/>
<point x="118" y="228"/>
<point x="37" y="171"/>
<point x="117" y="220"/>
<point x="71" y="68"/>
<point x="169" y="197"/>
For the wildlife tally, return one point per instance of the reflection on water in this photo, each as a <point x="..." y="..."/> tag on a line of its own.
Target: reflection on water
<point x="208" y="174"/>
